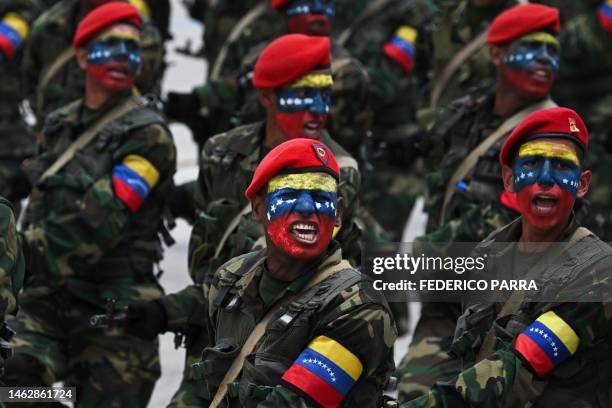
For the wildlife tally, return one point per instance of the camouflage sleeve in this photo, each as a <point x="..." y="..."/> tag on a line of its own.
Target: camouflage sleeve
<point x="218" y="95"/>
<point x="31" y="64"/>
<point x="95" y="224"/>
<point x="350" y="116"/>
<point x="500" y="380"/>
<point x="181" y="305"/>
<point x="361" y="334"/>
<point x="152" y="45"/>
<point x="11" y="262"/>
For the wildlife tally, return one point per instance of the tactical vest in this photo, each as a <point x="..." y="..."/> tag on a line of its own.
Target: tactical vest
<point x="140" y="246"/>
<point x="584" y="380"/>
<point x="287" y="334"/>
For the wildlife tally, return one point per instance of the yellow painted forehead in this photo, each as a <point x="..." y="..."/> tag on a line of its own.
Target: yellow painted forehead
<point x="548" y="149"/>
<point x="303" y="181"/>
<point x="540" y="36"/>
<point x="318" y="80"/>
<point x="123" y="32"/>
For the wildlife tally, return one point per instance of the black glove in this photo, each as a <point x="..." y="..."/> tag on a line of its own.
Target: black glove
<point x="183" y="107"/>
<point x="146" y="319"/>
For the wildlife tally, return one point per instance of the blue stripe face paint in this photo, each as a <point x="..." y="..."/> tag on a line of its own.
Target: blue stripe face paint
<point x="315" y="100"/>
<point x="303" y="202"/>
<point x="526" y="55"/>
<point x="547" y="172"/>
<point x="300" y="7"/>
<point x="113" y="49"/>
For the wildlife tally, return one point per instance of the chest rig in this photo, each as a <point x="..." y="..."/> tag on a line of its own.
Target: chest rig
<point x="234" y="314"/>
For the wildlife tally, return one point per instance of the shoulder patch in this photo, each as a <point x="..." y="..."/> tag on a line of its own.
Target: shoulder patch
<point x="133" y="180"/>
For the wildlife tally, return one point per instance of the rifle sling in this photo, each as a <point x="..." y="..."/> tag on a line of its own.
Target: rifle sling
<point x="88" y="136"/>
<point x="48" y="74"/>
<point x="470" y="161"/>
<point x="260" y="329"/>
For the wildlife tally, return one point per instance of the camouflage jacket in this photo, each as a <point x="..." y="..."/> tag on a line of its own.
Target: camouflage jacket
<point x="79" y="231"/>
<point x="342" y="307"/>
<point x="454" y="25"/>
<point x="392" y="92"/>
<point x="18" y="141"/>
<point x="460" y="129"/>
<point x="12" y="265"/>
<point x="52" y="35"/>
<point x="503" y="379"/>
<point x="234" y="156"/>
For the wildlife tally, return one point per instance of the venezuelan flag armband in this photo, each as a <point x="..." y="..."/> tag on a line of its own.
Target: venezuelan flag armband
<point x="401" y="47"/>
<point x="326" y="371"/>
<point x="14" y="30"/>
<point x="604" y="14"/>
<point x="133" y="180"/>
<point x="546" y="343"/>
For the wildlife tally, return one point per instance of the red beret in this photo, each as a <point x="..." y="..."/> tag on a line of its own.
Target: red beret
<point x="522" y="19"/>
<point x="278" y="3"/>
<point x="104" y="16"/>
<point x="293" y="156"/>
<point x="552" y="123"/>
<point x="288" y="58"/>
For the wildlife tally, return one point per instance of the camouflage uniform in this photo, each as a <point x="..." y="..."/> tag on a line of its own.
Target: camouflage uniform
<point x="455" y="24"/>
<point x="52" y="35"/>
<point x="234" y="156"/>
<point x="473" y="212"/>
<point x="19" y="142"/>
<point x="502" y="379"/>
<point x="12" y="264"/>
<point x="389" y="191"/>
<point x="84" y="246"/>
<point x="584" y="85"/>
<point x="342" y="307"/>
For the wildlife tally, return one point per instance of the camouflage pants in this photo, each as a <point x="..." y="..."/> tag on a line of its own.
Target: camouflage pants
<point x="54" y="342"/>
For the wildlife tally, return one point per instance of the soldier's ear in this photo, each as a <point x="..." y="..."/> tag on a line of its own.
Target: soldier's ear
<point x="497" y="54"/>
<point x="81" y="57"/>
<point x="584" y="183"/>
<point x="267" y="98"/>
<point x="258" y="206"/>
<point x="508" y="178"/>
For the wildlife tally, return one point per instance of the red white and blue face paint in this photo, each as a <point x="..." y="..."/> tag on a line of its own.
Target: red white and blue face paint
<point x="114" y="59"/>
<point x="310" y="17"/>
<point x="532" y="64"/>
<point x="303" y="107"/>
<point x="301" y="213"/>
<point x="13" y="30"/>
<point x="546" y="180"/>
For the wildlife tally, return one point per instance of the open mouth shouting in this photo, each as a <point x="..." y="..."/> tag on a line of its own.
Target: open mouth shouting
<point x="544" y="204"/>
<point x="305" y="232"/>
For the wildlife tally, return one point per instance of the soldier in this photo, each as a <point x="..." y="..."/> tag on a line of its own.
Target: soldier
<point x="18" y="142"/>
<point x="294" y="80"/>
<point x="52" y="77"/>
<point x="383" y="36"/>
<point x="455" y="58"/>
<point x="91" y="227"/>
<point x="466" y="200"/>
<point x="541" y="353"/>
<point x="326" y="335"/>
<point x="350" y="116"/>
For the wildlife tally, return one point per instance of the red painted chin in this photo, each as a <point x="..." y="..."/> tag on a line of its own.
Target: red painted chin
<point x="115" y="75"/>
<point x="299" y="243"/>
<point x="545" y="207"/>
<point x="310" y="24"/>
<point x="528" y="82"/>
<point x="301" y="124"/>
